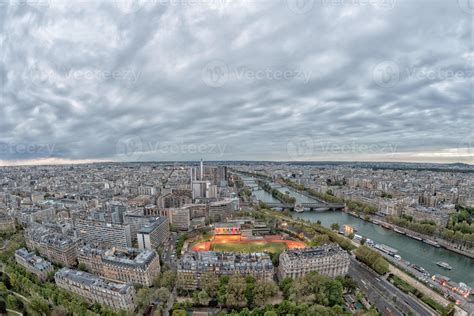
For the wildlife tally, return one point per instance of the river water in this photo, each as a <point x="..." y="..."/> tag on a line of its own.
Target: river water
<point x="415" y="251"/>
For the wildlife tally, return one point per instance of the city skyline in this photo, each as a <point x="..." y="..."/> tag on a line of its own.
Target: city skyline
<point x="120" y="81"/>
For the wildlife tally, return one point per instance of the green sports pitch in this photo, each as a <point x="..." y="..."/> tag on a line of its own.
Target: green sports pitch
<point x="272" y="247"/>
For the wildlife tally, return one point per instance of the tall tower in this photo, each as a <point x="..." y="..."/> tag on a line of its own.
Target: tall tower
<point x="202" y="171"/>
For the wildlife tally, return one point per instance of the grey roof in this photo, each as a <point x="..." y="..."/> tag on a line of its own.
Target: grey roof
<point x="312" y="252"/>
<point x="225" y="261"/>
<point x="92" y="280"/>
<point x="129" y="257"/>
<point x="33" y="260"/>
<point x="148" y="228"/>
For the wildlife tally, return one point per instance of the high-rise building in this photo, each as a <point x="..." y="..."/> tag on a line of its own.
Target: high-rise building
<point x="154" y="233"/>
<point x="108" y="234"/>
<point x="330" y="260"/>
<point x="118" y="296"/>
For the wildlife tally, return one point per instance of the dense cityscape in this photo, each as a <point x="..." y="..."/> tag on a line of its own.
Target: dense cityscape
<point x="236" y="239"/>
<point x="236" y="158"/>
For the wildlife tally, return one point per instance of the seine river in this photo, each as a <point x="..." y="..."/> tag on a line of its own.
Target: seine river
<point x="412" y="250"/>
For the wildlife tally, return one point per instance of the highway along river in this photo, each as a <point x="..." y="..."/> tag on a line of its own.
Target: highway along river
<point x="415" y="251"/>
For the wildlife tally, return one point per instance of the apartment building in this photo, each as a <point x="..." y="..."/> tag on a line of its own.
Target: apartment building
<point x="54" y="246"/>
<point x="94" y="289"/>
<point x="33" y="263"/>
<point x="108" y="234"/>
<point x="195" y="264"/>
<point x="154" y="233"/>
<point x="129" y="265"/>
<point x="330" y="260"/>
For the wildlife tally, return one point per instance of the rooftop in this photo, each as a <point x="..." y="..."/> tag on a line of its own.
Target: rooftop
<point x="92" y="280"/>
<point x="148" y="228"/>
<point x="35" y="261"/>
<point x="313" y="252"/>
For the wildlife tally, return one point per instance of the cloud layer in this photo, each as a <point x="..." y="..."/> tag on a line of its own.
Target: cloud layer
<point x="221" y="79"/>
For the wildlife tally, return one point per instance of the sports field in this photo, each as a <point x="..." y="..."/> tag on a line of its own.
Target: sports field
<point x="260" y="246"/>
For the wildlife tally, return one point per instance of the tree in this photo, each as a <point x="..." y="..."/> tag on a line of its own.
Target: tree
<point x="12" y="302"/>
<point x="143" y="297"/>
<point x="335" y="226"/>
<point x="334" y="289"/>
<point x="319" y="240"/>
<point x="372" y="258"/>
<point x="363" y="241"/>
<point x="263" y="291"/>
<point x="163" y="294"/>
<point x="285" y="286"/>
<point x="38" y="305"/>
<point x="168" y="279"/>
<point x="210" y="283"/>
<point x="179" y="312"/>
<point x="235" y="296"/>
<point x="3" y="307"/>
<point x="203" y="298"/>
<point x="82" y="267"/>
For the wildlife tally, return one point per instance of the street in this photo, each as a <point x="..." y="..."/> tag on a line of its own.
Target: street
<point x="388" y="299"/>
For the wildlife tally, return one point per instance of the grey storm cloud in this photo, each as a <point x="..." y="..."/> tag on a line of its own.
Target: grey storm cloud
<point x="229" y="80"/>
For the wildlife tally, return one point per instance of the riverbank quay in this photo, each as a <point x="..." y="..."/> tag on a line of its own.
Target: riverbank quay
<point x="393" y="269"/>
<point x="379" y="220"/>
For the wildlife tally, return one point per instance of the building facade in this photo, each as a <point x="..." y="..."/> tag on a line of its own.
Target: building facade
<point x="330" y="260"/>
<point x="94" y="289"/>
<point x="129" y="265"/>
<point x="180" y="218"/>
<point x="196" y="264"/>
<point x="7" y="223"/>
<point x="56" y="247"/>
<point x="154" y="234"/>
<point x="33" y="263"/>
<point x="108" y="234"/>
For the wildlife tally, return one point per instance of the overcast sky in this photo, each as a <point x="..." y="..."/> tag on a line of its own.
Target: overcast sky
<point x="384" y="80"/>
